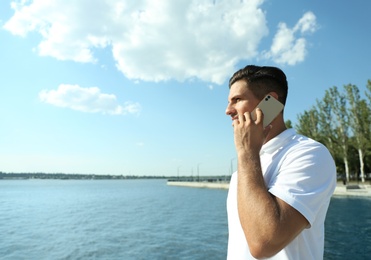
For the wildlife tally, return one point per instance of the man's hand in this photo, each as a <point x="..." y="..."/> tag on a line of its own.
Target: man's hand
<point x="249" y="135"/>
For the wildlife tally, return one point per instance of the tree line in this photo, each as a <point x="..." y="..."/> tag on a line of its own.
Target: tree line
<point x="73" y="176"/>
<point x="341" y="120"/>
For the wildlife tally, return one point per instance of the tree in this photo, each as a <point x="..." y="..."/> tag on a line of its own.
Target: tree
<point x="339" y="124"/>
<point x="360" y="125"/>
<point x="288" y="124"/>
<point x="309" y="124"/>
<point x="368" y="95"/>
<point x="327" y="123"/>
<point x="342" y="122"/>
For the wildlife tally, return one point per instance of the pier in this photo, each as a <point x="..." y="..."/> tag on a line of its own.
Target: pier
<point x="360" y="190"/>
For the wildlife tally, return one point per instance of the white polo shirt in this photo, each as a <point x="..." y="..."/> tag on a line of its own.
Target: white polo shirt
<point x="301" y="172"/>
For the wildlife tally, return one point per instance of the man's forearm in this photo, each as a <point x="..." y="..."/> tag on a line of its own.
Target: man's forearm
<point x="258" y="210"/>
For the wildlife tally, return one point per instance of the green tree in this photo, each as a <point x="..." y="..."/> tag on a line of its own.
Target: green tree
<point x="325" y="120"/>
<point x="308" y="124"/>
<point x="368" y="95"/>
<point x="337" y="124"/>
<point x="359" y="123"/>
<point x="342" y="121"/>
<point x="288" y="123"/>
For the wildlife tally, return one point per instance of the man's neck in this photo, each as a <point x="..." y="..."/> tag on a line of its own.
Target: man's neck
<point x="278" y="126"/>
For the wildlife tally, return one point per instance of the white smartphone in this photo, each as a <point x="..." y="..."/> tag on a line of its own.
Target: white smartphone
<point x="271" y="107"/>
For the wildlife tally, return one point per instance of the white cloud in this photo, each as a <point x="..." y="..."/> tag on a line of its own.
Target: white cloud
<point x="289" y="46"/>
<point x="150" y="40"/>
<point x="307" y="23"/>
<point x="160" y="40"/>
<point x="211" y="87"/>
<point x="87" y="100"/>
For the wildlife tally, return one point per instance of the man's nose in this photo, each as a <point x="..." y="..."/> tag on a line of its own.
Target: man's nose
<point x="229" y="110"/>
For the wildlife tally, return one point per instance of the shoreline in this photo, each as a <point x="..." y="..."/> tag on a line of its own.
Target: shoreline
<point x="361" y="190"/>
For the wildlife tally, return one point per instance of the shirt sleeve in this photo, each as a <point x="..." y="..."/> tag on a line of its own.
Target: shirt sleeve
<point x="305" y="178"/>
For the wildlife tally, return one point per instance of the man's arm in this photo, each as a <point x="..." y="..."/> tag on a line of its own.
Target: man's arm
<point x="269" y="224"/>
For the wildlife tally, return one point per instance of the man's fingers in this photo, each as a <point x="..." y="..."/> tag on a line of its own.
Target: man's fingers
<point x="243" y="117"/>
<point x="259" y="116"/>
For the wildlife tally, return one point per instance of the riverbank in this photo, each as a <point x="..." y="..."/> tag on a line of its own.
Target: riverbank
<point x="361" y="190"/>
<point x="358" y="190"/>
<point x="196" y="184"/>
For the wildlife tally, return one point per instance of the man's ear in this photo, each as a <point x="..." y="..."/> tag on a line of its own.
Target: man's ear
<point x="274" y="94"/>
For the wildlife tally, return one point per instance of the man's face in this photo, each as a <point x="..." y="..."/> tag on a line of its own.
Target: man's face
<point x="240" y="100"/>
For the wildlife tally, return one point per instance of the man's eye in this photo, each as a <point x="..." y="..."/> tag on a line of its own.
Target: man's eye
<point x="238" y="99"/>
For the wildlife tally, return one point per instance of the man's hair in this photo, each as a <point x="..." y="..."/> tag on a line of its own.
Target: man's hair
<point x="262" y="80"/>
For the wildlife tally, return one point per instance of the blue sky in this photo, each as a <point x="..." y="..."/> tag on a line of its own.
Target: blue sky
<point x="112" y="87"/>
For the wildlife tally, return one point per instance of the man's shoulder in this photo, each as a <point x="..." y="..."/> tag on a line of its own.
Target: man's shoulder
<point x="291" y="143"/>
<point x="300" y="145"/>
<point x="299" y="141"/>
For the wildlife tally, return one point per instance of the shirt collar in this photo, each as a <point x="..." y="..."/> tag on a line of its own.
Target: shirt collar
<point x="278" y="141"/>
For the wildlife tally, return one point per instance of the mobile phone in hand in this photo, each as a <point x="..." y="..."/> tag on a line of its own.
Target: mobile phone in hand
<point x="271" y="107"/>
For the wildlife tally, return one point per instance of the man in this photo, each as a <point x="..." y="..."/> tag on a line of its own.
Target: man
<point x="279" y="196"/>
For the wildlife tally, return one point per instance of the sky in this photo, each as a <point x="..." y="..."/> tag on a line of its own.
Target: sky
<point x="140" y="87"/>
